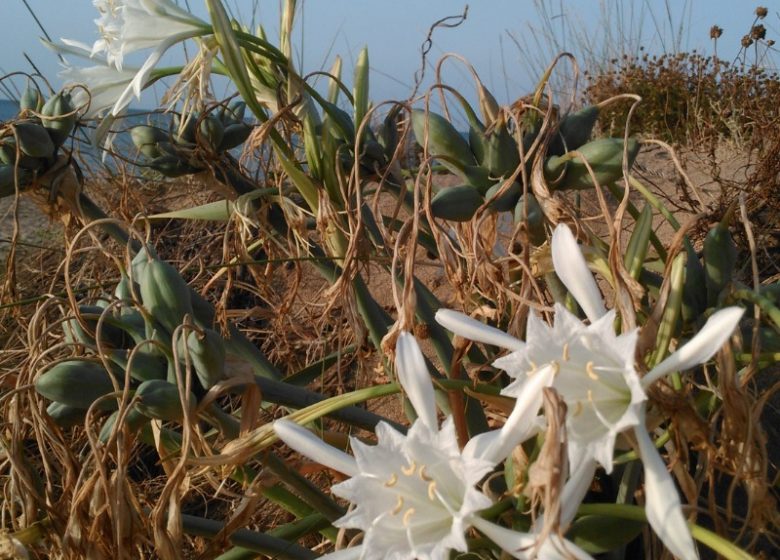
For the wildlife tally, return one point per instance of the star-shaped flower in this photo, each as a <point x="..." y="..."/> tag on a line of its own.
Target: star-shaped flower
<point x="593" y="369"/>
<point x="415" y="495"/>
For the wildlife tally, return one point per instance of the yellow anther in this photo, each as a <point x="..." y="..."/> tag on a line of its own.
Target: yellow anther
<point x="392" y="481"/>
<point x="432" y="490"/>
<point x="566" y="352"/>
<point x="407" y="516"/>
<point x="591" y="372"/>
<point x="423" y="475"/>
<point x="577" y="409"/>
<point x="409" y="470"/>
<point x="399" y="505"/>
<point x="590" y="396"/>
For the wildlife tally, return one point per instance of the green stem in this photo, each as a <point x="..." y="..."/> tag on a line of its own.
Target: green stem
<point x="766" y="305"/>
<point x="258" y="542"/>
<point x="290" y="532"/>
<point x="632" y="455"/>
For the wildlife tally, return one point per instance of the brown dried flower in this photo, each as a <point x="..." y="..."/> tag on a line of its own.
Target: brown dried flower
<point x="758" y="32"/>
<point x="715" y="32"/>
<point x="746" y="41"/>
<point x="761" y="12"/>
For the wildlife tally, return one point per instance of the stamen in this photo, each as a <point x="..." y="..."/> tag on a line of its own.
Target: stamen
<point x="392" y="481"/>
<point x="556" y="367"/>
<point x="399" y="505"/>
<point x="423" y="476"/>
<point x="591" y="373"/>
<point x="566" y="352"/>
<point x="409" y="471"/>
<point x="577" y="409"/>
<point x="407" y="516"/>
<point x="533" y="369"/>
<point x="432" y="490"/>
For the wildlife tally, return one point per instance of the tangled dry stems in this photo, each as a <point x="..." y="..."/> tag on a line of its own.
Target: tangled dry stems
<point x="122" y="497"/>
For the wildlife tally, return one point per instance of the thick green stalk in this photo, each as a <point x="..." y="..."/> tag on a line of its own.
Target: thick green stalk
<point x="259" y="542"/>
<point x="290" y="532"/>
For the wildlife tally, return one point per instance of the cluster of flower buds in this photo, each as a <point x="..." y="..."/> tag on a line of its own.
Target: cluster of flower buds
<point x="489" y="161"/>
<point x="29" y="143"/>
<point x="177" y="152"/>
<point x="146" y="343"/>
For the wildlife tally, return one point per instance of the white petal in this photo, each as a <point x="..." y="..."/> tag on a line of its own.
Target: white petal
<point x="139" y="81"/>
<point x="572" y="269"/>
<point x="664" y="512"/>
<point x="415" y="379"/>
<point x="495" y="446"/>
<point x="575" y="489"/>
<point x="472" y="329"/>
<point x="304" y="442"/>
<point x="123" y="101"/>
<point x="701" y="347"/>
<point x="521" y="545"/>
<point x="71" y="47"/>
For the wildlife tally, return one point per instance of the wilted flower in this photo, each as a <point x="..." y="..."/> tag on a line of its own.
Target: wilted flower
<point x="758" y="32"/>
<point x="415" y="495"/>
<point x="592" y="369"/>
<point x="715" y="32"/>
<point x="761" y="12"/>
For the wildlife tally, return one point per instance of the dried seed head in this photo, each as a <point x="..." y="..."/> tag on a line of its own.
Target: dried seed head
<point x="758" y="32"/>
<point x="715" y="32"/>
<point x="422" y="331"/>
<point x="746" y="41"/>
<point x="761" y="12"/>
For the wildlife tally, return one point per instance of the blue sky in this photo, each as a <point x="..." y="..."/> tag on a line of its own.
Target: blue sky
<point x="507" y="41"/>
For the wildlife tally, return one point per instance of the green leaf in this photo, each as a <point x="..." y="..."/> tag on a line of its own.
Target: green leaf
<point x="231" y="53"/>
<point x="360" y="89"/>
<point x="301" y="181"/>
<point x="639" y="242"/>
<point x="597" y="534"/>
<point x="219" y="211"/>
<point x="333" y="83"/>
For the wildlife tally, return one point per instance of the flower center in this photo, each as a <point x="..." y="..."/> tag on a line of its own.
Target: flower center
<point x="416" y="491"/>
<point x="592" y="384"/>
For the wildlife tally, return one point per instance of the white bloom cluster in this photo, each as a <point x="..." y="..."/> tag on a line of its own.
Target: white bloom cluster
<point x="127" y="26"/>
<point x="592" y="369"/>
<point x="416" y="495"/>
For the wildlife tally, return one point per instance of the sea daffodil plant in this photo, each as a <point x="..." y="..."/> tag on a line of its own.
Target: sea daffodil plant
<point x="415" y="495"/>
<point x="593" y="370"/>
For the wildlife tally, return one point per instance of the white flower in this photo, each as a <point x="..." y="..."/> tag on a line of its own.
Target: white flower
<point x="593" y="370"/>
<point x="104" y="82"/>
<point x="415" y="494"/>
<point x="127" y="26"/>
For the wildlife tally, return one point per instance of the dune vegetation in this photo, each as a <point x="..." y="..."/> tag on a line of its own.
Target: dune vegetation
<point x="303" y="322"/>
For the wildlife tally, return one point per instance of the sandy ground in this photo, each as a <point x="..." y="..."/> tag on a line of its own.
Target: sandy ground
<point x="35" y="231"/>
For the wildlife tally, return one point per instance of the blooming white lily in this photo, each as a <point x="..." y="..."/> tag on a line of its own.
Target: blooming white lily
<point x="131" y="25"/>
<point x="415" y="494"/>
<point x="592" y="368"/>
<point x="104" y="82"/>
